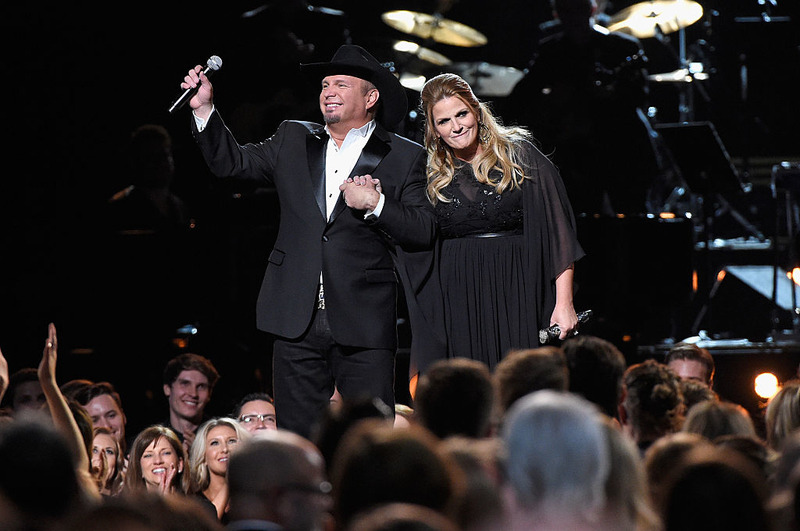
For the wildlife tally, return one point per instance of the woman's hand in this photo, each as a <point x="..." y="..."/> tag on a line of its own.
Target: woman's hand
<point x="101" y="472"/>
<point x="165" y="487"/>
<point x="566" y="319"/>
<point x="47" y="367"/>
<point x="564" y="313"/>
<point x="3" y="375"/>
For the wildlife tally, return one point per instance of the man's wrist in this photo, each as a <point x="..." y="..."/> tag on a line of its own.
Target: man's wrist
<point x="374" y="212"/>
<point x="201" y="116"/>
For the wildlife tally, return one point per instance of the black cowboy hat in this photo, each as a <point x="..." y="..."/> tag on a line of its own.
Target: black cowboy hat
<point x="355" y="61"/>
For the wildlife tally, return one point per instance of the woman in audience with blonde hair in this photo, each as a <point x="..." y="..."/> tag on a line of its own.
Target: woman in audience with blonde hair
<point x="107" y="462"/>
<point x="627" y="499"/>
<point x="717" y="418"/>
<point x="783" y="413"/>
<point x="216" y="439"/>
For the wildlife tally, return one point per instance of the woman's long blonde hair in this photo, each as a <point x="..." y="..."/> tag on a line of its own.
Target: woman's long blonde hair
<point x="498" y="140"/>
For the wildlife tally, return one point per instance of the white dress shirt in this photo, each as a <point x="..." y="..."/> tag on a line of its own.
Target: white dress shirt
<point x="339" y="161"/>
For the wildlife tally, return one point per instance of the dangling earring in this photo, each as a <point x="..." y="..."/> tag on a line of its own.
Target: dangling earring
<point x="483" y="134"/>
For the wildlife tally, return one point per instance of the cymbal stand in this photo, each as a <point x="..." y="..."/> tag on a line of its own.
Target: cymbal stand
<point x="686" y="103"/>
<point x="685" y="94"/>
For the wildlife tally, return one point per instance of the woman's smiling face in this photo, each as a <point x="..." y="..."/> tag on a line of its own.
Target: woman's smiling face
<point x="456" y="124"/>
<point x="157" y="460"/>
<point x="220" y="442"/>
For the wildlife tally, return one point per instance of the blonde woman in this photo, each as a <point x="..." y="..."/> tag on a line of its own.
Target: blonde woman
<point x="107" y="462"/>
<point x="508" y="239"/>
<point x="213" y="445"/>
<point x="783" y="414"/>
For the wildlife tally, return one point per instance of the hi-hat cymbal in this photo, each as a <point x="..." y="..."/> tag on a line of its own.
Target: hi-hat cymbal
<point x="425" y="54"/>
<point x="434" y="27"/>
<point x="646" y="19"/>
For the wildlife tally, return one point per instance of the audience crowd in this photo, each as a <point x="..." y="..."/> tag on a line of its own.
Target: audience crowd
<point x="557" y="438"/>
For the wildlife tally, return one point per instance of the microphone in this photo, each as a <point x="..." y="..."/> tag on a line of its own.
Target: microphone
<point x="546" y="335"/>
<point x="214" y="63"/>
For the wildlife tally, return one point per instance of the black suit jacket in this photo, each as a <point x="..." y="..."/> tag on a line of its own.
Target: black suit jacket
<point x="354" y="255"/>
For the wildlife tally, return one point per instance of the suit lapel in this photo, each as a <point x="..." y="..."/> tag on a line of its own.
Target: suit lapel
<point x="315" y="148"/>
<point x="373" y="153"/>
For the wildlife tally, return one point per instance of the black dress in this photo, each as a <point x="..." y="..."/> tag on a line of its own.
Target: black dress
<point x="499" y="256"/>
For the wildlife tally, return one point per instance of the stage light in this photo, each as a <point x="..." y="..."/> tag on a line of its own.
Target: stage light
<point x="766" y="385"/>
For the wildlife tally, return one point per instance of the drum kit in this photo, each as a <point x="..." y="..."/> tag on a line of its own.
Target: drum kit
<point x="644" y="20"/>
<point x="486" y="79"/>
<point x="657" y="19"/>
<point x="414" y="62"/>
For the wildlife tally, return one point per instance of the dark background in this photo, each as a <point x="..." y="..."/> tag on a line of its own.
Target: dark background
<point x="78" y="80"/>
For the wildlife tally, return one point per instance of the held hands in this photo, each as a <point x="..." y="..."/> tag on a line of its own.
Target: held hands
<point x="361" y="192"/>
<point x="202" y="101"/>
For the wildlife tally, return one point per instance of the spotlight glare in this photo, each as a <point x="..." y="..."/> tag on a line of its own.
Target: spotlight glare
<point x="766" y="385"/>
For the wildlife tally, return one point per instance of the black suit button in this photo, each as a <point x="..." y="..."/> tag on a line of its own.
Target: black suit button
<point x="324" y="238"/>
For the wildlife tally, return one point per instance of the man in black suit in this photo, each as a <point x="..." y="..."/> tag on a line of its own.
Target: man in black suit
<point x="329" y="292"/>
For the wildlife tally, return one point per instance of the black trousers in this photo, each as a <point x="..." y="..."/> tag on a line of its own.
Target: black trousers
<point x="306" y="370"/>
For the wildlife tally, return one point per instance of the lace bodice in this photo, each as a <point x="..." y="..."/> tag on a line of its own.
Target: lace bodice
<point x="476" y="208"/>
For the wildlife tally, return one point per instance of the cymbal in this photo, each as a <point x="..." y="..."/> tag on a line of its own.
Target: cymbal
<point x="646" y="19"/>
<point x="487" y="79"/>
<point x="681" y="75"/>
<point x="412" y="81"/>
<point x="425" y="54"/>
<point x="434" y="27"/>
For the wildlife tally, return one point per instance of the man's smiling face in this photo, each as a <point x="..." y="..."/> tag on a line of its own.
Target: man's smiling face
<point x="345" y="100"/>
<point x="189" y="394"/>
